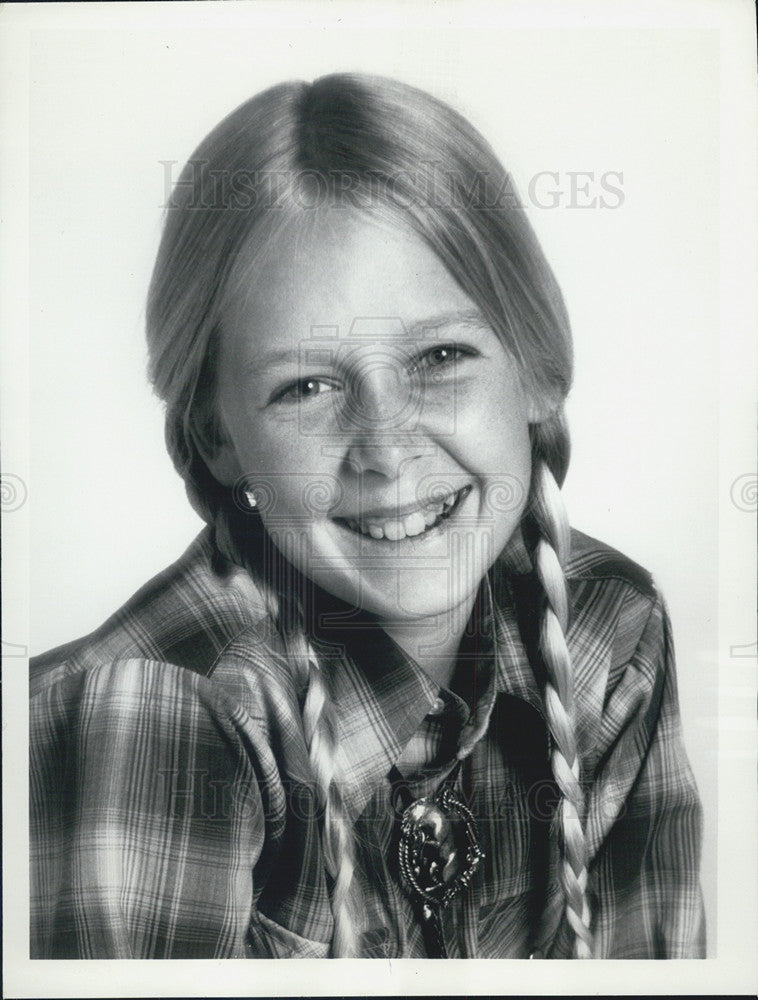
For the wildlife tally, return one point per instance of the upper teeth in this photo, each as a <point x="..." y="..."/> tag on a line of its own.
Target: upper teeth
<point x="412" y="524"/>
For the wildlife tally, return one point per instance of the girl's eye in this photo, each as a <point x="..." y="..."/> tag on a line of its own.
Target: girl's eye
<point x="441" y="356"/>
<point x="307" y="388"/>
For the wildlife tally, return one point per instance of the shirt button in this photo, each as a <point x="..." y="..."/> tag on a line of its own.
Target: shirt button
<point x="437" y="707"/>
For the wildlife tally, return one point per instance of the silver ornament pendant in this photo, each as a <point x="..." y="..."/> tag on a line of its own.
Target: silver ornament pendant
<point x="439" y="849"/>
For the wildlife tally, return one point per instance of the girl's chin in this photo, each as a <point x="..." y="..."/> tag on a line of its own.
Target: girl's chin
<point x="400" y="594"/>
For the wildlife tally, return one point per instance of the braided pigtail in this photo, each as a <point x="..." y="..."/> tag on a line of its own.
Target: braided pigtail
<point x="550" y="552"/>
<point x="240" y="535"/>
<point x="338" y="837"/>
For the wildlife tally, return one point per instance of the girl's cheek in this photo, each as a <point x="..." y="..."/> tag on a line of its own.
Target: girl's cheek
<point x="291" y="450"/>
<point x="438" y="420"/>
<point x="490" y="417"/>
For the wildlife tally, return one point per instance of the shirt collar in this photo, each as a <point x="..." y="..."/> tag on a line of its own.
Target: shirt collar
<point x="515" y="673"/>
<point x="381" y="695"/>
<point x="515" y="599"/>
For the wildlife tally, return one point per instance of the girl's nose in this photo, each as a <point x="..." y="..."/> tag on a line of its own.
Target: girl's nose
<point x="384" y="456"/>
<point x="382" y="417"/>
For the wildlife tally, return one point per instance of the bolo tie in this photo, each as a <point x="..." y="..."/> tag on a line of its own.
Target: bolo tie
<point x="438" y="852"/>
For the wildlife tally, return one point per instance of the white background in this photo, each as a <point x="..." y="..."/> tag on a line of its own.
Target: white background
<point x="114" y="92"/>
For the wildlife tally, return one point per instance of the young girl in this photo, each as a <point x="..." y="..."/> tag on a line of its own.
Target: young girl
<point x="387" y="703"/>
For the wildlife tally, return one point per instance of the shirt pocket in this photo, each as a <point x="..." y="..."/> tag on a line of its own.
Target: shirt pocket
<point x="268" y="939"/>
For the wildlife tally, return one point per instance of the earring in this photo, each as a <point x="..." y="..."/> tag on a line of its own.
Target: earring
<point x="250" y="496"/>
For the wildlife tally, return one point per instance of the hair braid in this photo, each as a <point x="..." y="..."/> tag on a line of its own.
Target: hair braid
<point x="549" y="555"/>
<point x="239" y="535"/>
<point x="338" y="837"/>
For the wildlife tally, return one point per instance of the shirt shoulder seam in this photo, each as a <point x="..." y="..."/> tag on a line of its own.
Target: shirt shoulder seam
<point x="78" y="666"/>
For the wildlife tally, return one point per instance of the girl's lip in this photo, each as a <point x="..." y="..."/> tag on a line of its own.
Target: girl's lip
<point x="398" y="513"/>
<point x="459" y="495"/>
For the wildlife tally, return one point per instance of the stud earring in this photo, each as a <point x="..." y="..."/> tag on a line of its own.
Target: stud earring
<point x="250" y="496"/>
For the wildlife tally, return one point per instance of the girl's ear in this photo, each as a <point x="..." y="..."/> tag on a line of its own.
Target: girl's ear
<point x="216" y="450"/>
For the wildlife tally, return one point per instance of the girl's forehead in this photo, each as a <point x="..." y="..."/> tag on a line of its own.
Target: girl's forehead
<point x="292" y="245"/>
<point x="331" y="267"/>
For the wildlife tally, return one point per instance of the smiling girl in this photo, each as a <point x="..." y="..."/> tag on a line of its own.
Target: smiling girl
<point x="387" y="703"/>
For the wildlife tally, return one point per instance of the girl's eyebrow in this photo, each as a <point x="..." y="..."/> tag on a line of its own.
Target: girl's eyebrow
<point x="436" y="324"/>
<point x="419" y="328"/>
<point x="270" y="359"/>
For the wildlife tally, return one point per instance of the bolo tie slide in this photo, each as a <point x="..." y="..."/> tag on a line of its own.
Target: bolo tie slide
<point x="438" y="854"/>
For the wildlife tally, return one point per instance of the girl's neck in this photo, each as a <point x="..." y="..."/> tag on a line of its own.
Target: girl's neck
<point x="434" y="642"/>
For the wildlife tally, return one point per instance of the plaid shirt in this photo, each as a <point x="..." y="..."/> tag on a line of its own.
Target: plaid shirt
<point x="174" y="812"/>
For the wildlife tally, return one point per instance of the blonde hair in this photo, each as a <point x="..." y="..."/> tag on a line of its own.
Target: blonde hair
<point x="373" y="145"/>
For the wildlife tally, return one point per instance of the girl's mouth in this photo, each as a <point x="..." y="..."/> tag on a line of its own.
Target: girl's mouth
<point x="414" y="525"/>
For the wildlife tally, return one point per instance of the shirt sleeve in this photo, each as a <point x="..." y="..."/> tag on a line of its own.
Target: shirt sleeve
<point x="146" y="816"/>
<point x="646" y="814"/>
